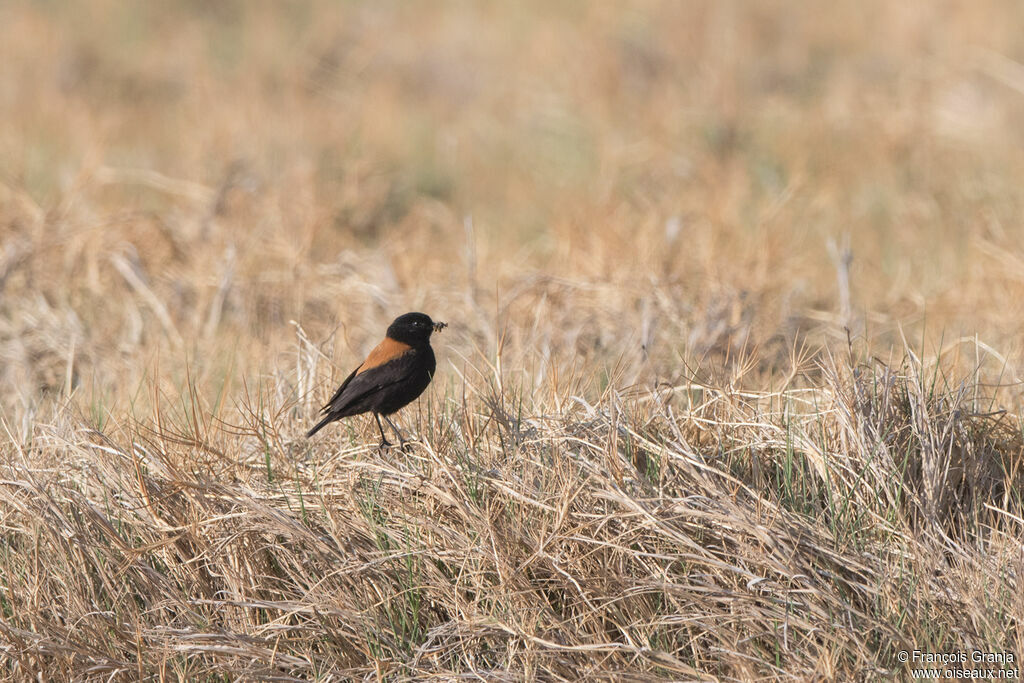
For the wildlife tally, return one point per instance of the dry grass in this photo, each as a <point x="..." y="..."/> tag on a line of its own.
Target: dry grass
<point x="730" y="390"/>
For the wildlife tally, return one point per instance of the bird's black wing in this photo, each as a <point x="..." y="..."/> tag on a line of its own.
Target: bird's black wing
<point x="339" y="392"/>
<point x="357" y="393"/>
<point x="380" y="359"/>
<point x="360" y="390"/>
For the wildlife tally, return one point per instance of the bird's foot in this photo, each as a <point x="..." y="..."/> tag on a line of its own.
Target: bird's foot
<point x="403" y="443"/>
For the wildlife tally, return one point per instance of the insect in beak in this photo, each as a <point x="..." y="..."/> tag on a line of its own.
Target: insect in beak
<point x="439" y="326"/>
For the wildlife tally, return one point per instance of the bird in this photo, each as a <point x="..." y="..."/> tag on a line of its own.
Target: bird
<point x="393" y="375"/>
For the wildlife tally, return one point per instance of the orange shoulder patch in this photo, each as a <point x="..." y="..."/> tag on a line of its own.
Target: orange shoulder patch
<point x="387" y="350"/>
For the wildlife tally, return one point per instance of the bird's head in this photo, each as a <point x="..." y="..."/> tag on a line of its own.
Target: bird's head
<point x="414" y="328"/>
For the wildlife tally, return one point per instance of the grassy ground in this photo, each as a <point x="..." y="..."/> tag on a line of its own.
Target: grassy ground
<point x="731" y="388"/>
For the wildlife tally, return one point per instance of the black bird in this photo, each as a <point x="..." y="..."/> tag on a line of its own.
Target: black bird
<point x="394" y="374"/>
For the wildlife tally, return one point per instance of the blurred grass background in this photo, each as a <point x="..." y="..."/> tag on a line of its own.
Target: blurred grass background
<point x="704" y="154"/>
<point x="193" y="195"/>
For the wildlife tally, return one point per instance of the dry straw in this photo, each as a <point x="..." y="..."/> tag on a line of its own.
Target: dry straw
<point x="730" y="391"/>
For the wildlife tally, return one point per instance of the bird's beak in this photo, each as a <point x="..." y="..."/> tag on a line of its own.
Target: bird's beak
<point x="439" y="326"/>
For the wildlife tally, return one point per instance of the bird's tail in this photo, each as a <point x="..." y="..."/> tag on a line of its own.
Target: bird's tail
<point x="320" y="425"/>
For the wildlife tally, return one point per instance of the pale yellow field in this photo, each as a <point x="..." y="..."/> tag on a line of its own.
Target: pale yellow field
<point x="730" y="389"/>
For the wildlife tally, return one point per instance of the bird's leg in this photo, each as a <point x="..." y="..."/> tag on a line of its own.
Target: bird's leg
<point x="384" y="443"/>
<point x="401" y="439"/>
